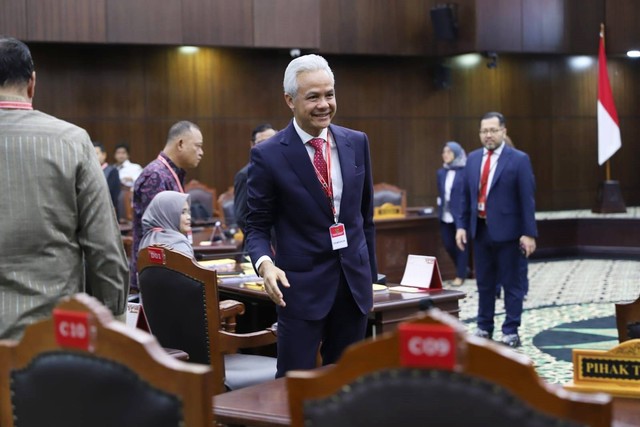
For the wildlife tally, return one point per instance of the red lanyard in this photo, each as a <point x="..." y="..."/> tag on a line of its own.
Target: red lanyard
<point x="327" y="186"/>
<point x="172" y="172"/>
<point x="16" y="105"/>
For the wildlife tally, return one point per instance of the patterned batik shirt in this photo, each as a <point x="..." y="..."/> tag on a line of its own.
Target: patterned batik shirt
<point x="155" y="178"/>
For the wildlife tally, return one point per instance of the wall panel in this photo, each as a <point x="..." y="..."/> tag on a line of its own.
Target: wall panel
<point x="144" y="21"/>
<point x="499" y="25"/>
<point x="136" y="93"/>
<point x="13" y="19"/>
<point x="66" y="20"/>
<point x="286" y="24"/>
<point x="219" y="23"/>
<point x="622" y="17"/>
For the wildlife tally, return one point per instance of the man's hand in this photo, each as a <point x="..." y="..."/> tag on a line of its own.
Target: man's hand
<point x="528" y="245"/>
<point x="461" y="238"/>
<point x="272" y="275"/>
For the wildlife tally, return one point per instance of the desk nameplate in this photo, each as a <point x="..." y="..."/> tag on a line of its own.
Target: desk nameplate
<point x="616" y="371"/>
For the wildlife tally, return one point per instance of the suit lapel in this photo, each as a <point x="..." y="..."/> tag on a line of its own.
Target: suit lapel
<point x="502" y="162"/>
<point x="347" y="162"/>
<point x="296" y="154"/>
<point x="473" y="168"/>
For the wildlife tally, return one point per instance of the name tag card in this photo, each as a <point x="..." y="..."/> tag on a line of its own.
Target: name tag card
<point x="422" y="272"/>
<point x="74" y="329"/>
<point x="136" y="317"/>
<point x="338" y="236"/>
<point x="156" y="255"/>
<point x="426" y="345"/>
<point x="616" y="371"/>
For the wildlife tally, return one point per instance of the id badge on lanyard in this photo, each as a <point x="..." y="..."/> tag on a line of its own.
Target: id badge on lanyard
<point x="337" y="231"/>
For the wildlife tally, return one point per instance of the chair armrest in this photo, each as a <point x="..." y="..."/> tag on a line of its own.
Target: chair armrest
<point x="231" y="342"/>
<point x="229" y="309"/>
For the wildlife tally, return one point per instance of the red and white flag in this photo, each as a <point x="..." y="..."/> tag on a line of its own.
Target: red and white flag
<point x="608" y="126"/>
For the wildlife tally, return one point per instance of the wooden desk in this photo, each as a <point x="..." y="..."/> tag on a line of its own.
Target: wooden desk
<point x="389" y="308"/>
<point x="220" y="247"/>
<point x="267" y="404"/>
<point x="418" y="235"/>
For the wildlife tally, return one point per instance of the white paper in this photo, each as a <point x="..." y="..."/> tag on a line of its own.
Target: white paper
<point x="418" y="271"/>
<point x="133" y="312"/>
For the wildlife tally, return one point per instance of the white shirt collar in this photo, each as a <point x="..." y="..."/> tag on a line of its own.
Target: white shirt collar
<point x="305" y="137"/>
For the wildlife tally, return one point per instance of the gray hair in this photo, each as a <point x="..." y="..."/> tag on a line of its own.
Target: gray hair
<point x="179" y="129"/>
<point x="300" y="65"/>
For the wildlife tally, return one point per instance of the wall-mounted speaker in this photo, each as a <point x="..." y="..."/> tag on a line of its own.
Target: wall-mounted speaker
<point x="445" y="25"/>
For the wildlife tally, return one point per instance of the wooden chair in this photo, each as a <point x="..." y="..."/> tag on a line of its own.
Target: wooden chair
<point x="485" y="385"/>
<point x="628" y="320"/>
<point x="180" y="299"/>
<point x="125" y="206"/>
<point x="226" y="205"/>
<point x="389" y="200"/>
<point x="83" y="368"/>
<point x="203" y="202"/>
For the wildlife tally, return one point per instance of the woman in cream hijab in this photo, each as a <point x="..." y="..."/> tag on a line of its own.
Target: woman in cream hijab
<point x="166" y="222"/>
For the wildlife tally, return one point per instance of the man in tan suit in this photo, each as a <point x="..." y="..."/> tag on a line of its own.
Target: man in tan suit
<point x="57" y="224"/>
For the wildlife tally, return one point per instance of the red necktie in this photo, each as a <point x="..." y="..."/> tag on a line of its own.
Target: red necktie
<point x="484" y="184"/>
<point x="318" y="160"/>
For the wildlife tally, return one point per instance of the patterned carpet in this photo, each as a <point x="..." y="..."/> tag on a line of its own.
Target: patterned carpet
<point x="570" y="305"/>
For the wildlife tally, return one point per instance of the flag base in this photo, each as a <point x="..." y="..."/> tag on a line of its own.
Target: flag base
<point x="609" y="198"/>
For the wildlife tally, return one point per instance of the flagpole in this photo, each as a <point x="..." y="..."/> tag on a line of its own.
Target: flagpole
<point x="607" y="164"/>
<point x="609" y="197"/>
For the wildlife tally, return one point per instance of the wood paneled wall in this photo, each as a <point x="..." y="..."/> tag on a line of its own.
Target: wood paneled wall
<point x="135" y="93"/>
<point x="372" y="27"/>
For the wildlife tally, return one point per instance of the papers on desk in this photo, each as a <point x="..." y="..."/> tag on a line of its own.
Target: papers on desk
<point x="378" y="288"/>
<point x="240" y="278"/>
<point x="219" y="265"/>
<point x="421" y="272"/>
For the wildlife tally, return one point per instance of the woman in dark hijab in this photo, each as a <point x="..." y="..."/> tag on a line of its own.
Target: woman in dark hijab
<point x="450" y="182"/>
<point x="167" y="221"/>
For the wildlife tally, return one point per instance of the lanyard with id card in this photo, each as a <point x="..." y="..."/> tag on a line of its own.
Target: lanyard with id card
<point x="337" y="231"/>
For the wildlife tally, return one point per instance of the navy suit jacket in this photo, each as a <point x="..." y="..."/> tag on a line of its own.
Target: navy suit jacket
<point x="284" y="193"/>
<point x="510" y="205"/>
<point x="455" y="196"/>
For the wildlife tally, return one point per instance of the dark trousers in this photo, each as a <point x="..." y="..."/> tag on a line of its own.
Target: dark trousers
<point x="460" y="258"/>
<point x="498" y="263"/>
<point x="300" y="339"/>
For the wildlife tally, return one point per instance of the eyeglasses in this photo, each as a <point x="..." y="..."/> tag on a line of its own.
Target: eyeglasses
<point x="491" y="131"/>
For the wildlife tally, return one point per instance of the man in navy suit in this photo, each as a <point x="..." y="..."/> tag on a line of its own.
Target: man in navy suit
<point x="498" y="208"/>
<point x="320" y="272"/>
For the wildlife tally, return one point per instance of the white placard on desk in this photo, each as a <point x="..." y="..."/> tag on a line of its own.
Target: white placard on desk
<point x="421" y="272"/>
<point x="136" y="317"/>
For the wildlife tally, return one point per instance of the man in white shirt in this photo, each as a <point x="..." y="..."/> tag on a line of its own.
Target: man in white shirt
<point x="128" y="171"/>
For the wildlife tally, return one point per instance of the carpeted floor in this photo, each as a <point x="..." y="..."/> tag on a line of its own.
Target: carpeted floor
<point x="570" y="305"/>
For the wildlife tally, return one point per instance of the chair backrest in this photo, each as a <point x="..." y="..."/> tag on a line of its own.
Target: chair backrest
<point x="226" y="204"/>
<point x="83" y="368"/>
<point x="390" y="195"/>
<point x="203" y="201"/>
<point x="485" y="385"/>
<point x="180" y="300"/>
<point x="125" y="206"/>
<point x="628" y="320"/>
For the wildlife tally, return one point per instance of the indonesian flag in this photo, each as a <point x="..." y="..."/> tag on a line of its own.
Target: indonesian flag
<point x="608" y="126"/>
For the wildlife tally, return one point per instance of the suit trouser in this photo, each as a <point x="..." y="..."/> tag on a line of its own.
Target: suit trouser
<point x="497" y="263"/>
<point x="459" y="258"/>
<point x="299" y="339"/>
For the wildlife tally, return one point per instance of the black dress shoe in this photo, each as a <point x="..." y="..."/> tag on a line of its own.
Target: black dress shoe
<point x="511" y="340"/>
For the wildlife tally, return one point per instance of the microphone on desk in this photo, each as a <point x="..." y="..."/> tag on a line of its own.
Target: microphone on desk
<point x="426" y="304"/>
<point x="216" y="230"/>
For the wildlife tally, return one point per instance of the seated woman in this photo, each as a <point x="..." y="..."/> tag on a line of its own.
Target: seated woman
<point x="167" y="222"/>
